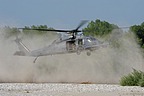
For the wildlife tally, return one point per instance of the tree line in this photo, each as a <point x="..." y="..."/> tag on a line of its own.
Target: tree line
<point x="138" y="30"/>
<point x="94" y="28"/>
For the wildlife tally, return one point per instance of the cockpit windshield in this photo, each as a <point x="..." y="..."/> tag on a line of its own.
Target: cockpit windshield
<point x="91" y="38"/>
<point x="91" y="41"/>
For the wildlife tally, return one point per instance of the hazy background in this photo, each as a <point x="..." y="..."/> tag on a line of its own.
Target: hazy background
<point x="105" y="65"/>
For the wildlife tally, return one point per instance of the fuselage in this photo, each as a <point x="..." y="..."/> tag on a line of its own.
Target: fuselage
<point x="85" y="43"/>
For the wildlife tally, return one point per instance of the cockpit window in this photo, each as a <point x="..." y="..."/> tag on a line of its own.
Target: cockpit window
<point x="89" y="40"/>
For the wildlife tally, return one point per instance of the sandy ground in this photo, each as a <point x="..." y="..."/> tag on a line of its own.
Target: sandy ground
<point x="46" y="89"/>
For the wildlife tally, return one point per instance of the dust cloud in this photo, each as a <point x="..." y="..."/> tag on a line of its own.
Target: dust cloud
<point x="105" y="65"/>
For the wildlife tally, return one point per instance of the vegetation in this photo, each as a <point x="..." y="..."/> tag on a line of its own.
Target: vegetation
<point x="12" y="31"/>
<point x="99" y="28"/>
<point x="139" y="32"/>
<point x="136" y="78"/>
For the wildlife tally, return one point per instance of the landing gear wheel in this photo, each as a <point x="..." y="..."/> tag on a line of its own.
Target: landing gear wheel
<point x="78" y="52"/>
<point x="79" y="49"/>
<point x="88" y="53"/>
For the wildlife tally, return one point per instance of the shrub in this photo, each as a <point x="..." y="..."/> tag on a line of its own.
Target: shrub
<point x="136" y="78"/>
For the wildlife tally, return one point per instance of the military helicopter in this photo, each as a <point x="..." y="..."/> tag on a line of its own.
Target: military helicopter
<point x="74" y="43"/>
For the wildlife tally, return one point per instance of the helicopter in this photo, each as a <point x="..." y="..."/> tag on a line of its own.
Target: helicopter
<point x="74" y="43"/>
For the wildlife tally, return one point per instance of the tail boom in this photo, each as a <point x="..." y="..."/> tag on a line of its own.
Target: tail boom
<point x="24" y="51"/>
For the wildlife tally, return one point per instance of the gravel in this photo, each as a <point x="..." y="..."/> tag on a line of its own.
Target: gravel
<point x="48" y="89"/>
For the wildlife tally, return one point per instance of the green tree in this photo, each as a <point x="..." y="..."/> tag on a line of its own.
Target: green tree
<point x="99" y="28"/>
<point x="138" y="30"/>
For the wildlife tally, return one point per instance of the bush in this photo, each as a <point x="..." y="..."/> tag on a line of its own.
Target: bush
<point x="136" y="78"/>
<point x="141" y="82"/>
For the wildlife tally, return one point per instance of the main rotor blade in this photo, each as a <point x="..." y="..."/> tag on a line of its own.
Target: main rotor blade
<point x="71" y="31"/>
<point x="47" y="30"/>
<point x="81" y="24"/>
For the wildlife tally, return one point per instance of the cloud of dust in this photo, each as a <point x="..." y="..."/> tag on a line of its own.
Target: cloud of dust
<point x="105" y="65"/>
